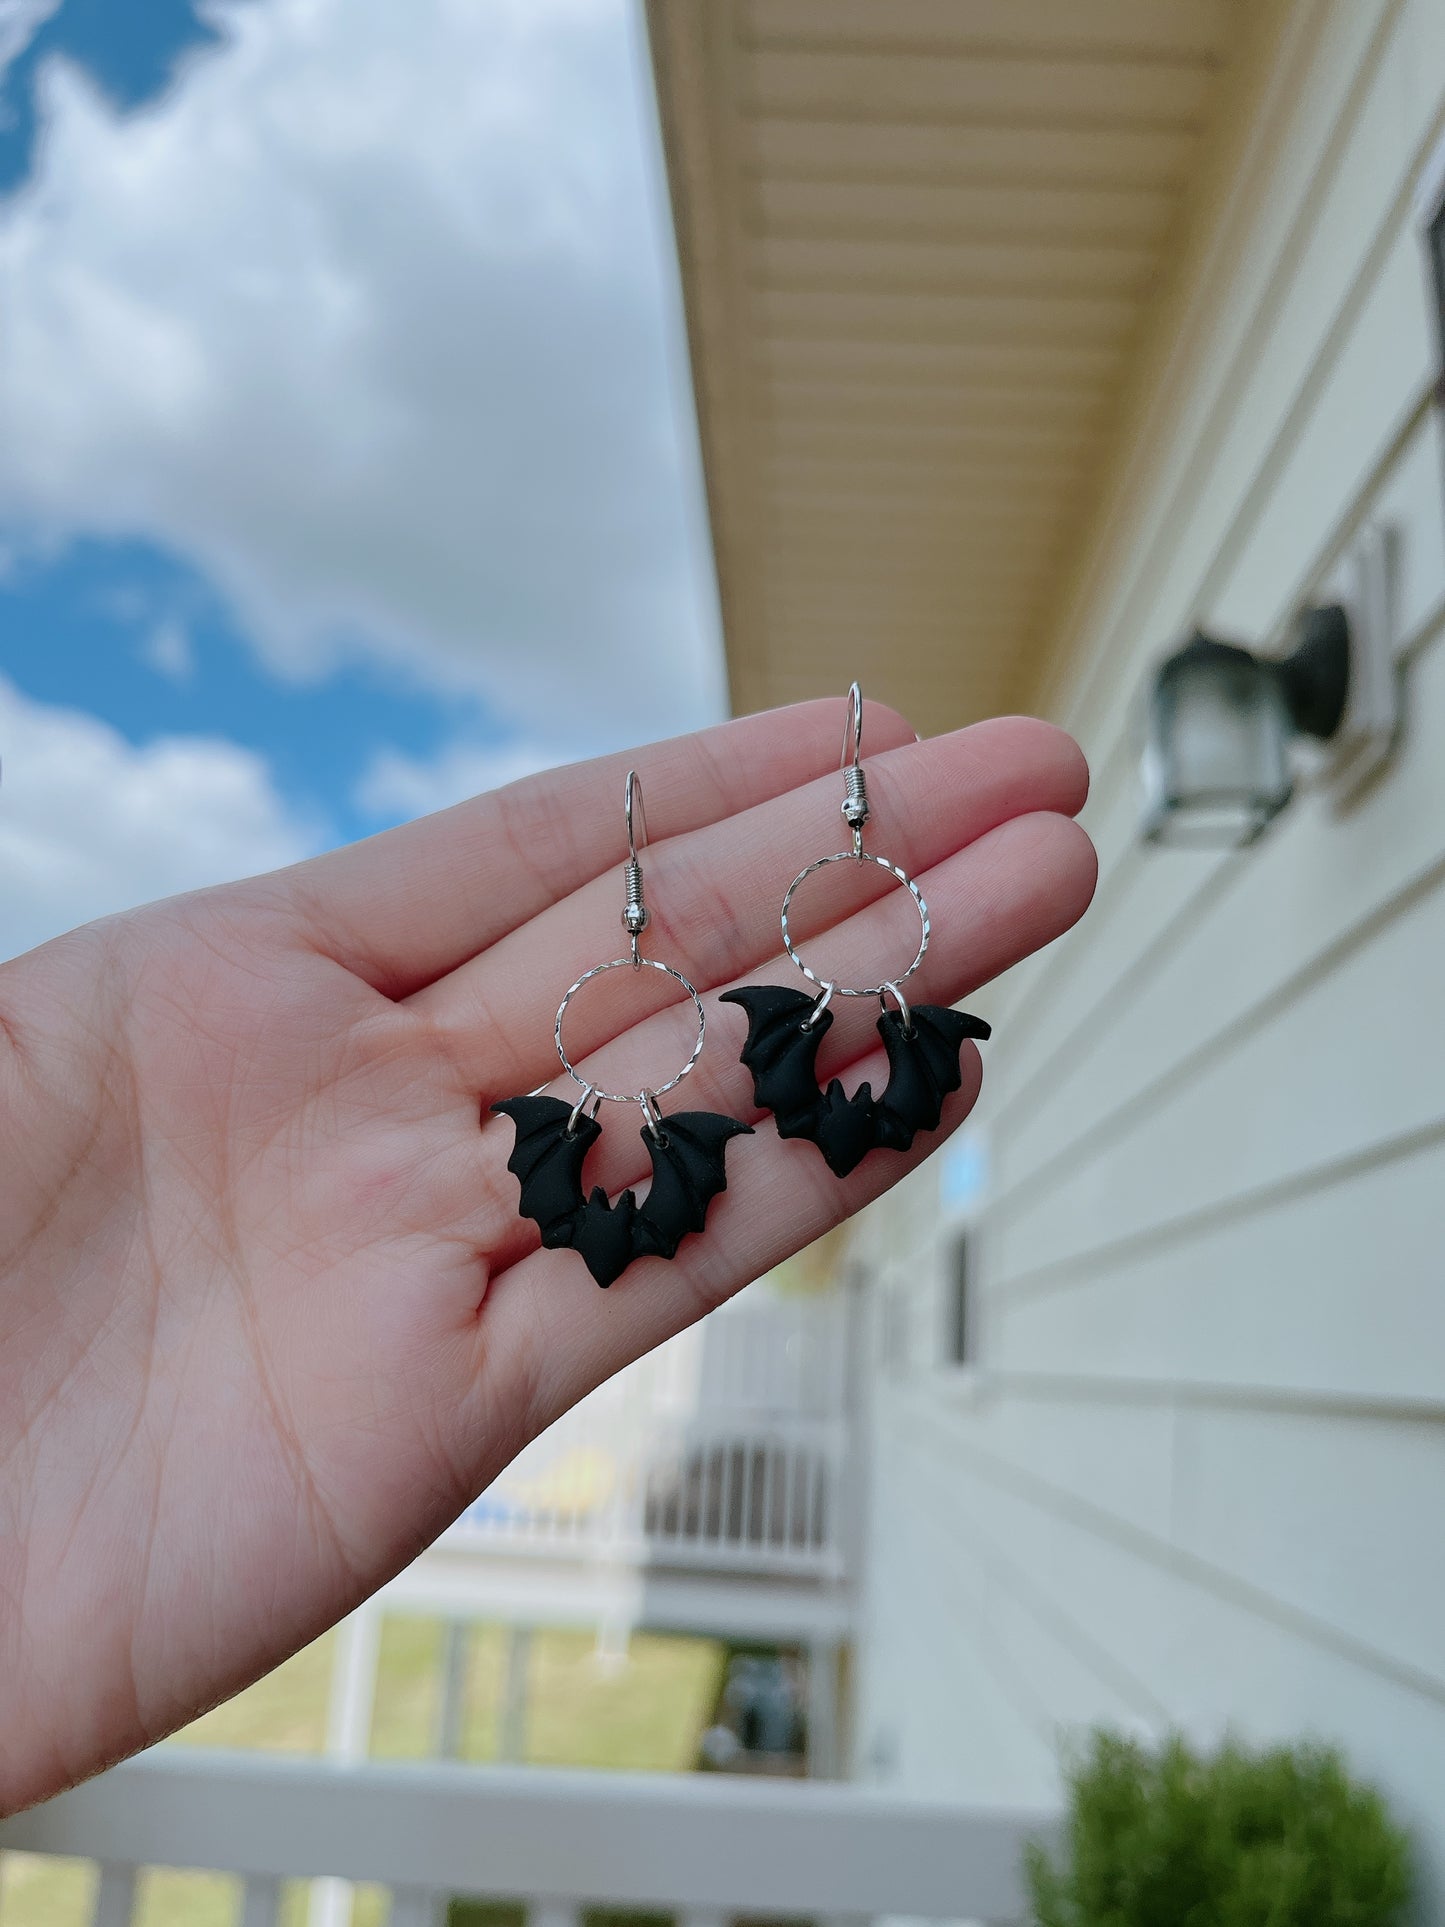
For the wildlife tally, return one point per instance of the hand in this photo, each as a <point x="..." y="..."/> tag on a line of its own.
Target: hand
<point x="269" y="1318"/>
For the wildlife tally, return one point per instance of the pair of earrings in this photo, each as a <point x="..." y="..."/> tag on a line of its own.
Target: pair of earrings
<point x="785" y="1029"/>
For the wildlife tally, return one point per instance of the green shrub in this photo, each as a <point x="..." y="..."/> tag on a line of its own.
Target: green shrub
<point x="1168" y="1837"/>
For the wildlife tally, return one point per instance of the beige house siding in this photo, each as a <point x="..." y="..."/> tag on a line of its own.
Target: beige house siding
<point x="1199" y="1473"/>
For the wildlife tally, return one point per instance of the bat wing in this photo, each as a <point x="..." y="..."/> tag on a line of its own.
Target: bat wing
<point x="549" y="1164"/>
<point x="782" y="1055"/>
<point x="688" y="1171"/>
<point x="923" y="1068"/>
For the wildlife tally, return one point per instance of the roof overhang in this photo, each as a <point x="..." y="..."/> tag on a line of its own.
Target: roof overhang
<point x="919" y="246"/>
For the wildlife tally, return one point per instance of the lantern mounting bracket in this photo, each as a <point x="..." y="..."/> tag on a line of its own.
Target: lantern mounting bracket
<point x="1315" y="676"/>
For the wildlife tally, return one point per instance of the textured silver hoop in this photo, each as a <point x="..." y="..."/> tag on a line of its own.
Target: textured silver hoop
<point x="654" y="1091"/>
<point x="889" y="983"/>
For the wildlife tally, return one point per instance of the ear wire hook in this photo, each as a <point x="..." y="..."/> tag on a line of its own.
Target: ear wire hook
<point x="632" y="804"/>
<point x="635" y="916"/>
<point x="855" y="802"/>
<point x="853" y="728"/>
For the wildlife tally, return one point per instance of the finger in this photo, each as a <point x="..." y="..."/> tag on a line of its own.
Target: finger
<point x="548" y="1328"/>
<point x="1014" y="890"/>
<point x="402" y="908"/>
<point x="714" y="896"/>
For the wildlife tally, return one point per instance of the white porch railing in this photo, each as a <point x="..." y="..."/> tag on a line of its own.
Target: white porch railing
<point x="725" y="1450"/>
<point x="704" y="1849"/>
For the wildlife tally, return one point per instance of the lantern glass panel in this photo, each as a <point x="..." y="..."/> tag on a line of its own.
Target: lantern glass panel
<point x="1216" y="769"/>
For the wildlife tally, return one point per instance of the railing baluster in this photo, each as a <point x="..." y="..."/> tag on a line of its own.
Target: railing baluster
<point x="261" y="1905"/>
<point x="114" y="1896"/>
<point x="808" y="1471"/>
<point x="725" y="1497"/>
<point x="451" y="1715"/>
<point x="553" y="1913"/>
<point x="516" y="1681"/>
<point x="411" y="1907"/>
<point x="770" y="1454"/>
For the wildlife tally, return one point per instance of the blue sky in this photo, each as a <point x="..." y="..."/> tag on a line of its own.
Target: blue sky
<point x="349" y="462"/>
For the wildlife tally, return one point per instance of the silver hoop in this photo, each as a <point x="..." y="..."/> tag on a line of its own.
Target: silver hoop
<point x="654" y="1091"/>
<point x="867" y="990"/>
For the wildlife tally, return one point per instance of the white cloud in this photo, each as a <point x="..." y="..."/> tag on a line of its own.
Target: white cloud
<point x="395" y="787"/>
<point x="372" y="318"/>
<point x="90" y="824"/>
<point x="20" y="21"/>
<point x="168" y="650"/>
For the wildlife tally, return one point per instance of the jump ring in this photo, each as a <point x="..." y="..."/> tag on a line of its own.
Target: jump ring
<point x="902" y="1002"/>
<point x="859" y="856"/>
<point x="820" y="1004"/>
<point x="626" y="963"/>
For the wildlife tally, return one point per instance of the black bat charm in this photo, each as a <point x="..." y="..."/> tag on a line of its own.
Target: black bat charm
<point x="781" y="1052"/>
<point x="687" y="1173"/>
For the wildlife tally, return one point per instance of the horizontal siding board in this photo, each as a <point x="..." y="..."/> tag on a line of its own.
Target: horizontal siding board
<point x="1285" y="1504"/>
<point x="1321" y="877"/>
<point x="1199" y="1468"/>
<point x="1325" y="1516"/>
<point x="1061" y="996"/>
<point x="1293" y="1298"/>
<point x="1058" y="1677"/>
<point x="1343" y="1067"/>
<point x="1199" y="451"/>
<point x="1087" y="982"/>
<point x="984" y="1729"/>
<point x="1120" y="1456"/>
<point x="1042" y="998"/>
<point x="1375" y="385"/>
<point x="1210" y="1655"/>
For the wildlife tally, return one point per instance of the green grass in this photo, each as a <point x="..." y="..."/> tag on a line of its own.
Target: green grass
<point x="646" y="1714"/>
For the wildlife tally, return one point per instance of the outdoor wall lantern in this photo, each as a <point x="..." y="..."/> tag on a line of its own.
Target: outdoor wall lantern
<point x="1221" y="721"/>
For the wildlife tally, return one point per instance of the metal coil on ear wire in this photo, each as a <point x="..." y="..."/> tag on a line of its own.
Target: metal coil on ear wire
<point x="855" y="802"/>
<point x="635" y="914"/>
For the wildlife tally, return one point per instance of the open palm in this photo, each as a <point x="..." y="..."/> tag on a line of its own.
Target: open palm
<point x="268" y="1316"/>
